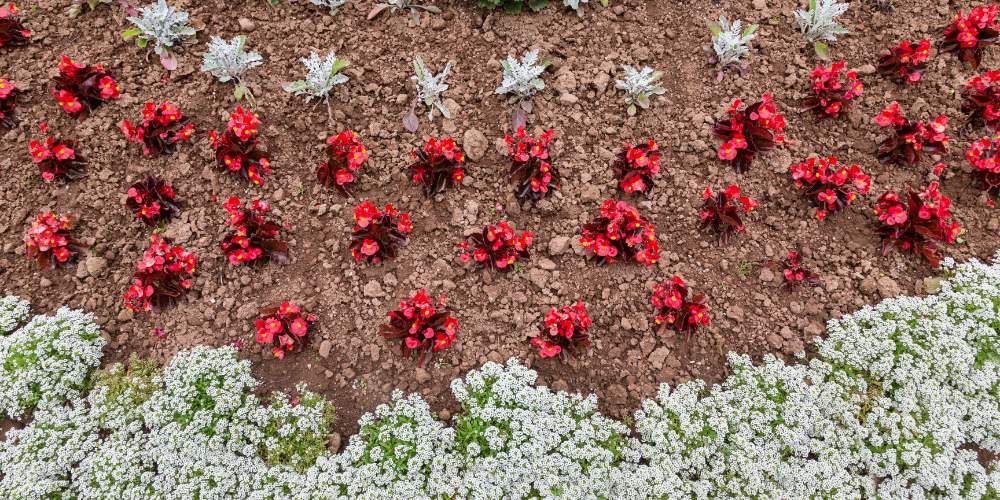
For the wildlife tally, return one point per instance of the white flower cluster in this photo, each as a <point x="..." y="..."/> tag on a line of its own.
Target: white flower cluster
<point x="47" y="361"/>
<point x="731" y="41"/>
<point x="522" y="78"/>
<point x="13" y="312"/>
<point x="896" y="404"/>
<point x="321" y="76"/>
<point x="161" y="24"/>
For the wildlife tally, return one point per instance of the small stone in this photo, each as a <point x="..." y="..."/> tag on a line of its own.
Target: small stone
<point x="813" y="329"/>
<point x="658" y="356"/>
<point x="568" y="98"/>
<point x="775" y="340"/>
<point x="324" y="348"/>
<point x="95" y="265"/>
<point x="335" y="442"/>
<point x="759" y="4"/>
<point x="932" y="285"/>
<point x="766" y="275"/>
<point x="546" y="264"/>
<point x="617" y="394"/>
<point x="560" y="385"/>
<point x="538" y="277"/>
<point x="867" y="69"/>
<point x="373" y="289"/>
<point x="475" y="144"/>
<point x="246" y="24"/>
<point x="558" y="245"/>
<point x="887" y="287"/>
<point x="422" y="375"/>
<point x="869" y="285"/>
<point x="444" y="415"/>
<point x="734" y="313"/>
<point x="246" y="311"/>
<point x="45" y="283"/>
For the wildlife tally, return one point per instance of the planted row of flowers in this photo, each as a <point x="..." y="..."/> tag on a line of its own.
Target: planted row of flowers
<point x="916" y="220"/>
<point x="899" y="402"/>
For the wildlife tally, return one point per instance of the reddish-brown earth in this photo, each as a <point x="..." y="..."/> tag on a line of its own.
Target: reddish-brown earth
<point x="497" y="312"/>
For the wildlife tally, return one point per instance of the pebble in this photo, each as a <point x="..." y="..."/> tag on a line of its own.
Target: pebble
<point x="658" y="356"/>
<point x="475" y="144"/>
<point x="887" y="287"/>
<point x="558" y="245"/>
<point x="324" y="348"/>
<point x="373" y="289"/>
<point x="246" y="24"/>
<point x="546" y="264"/>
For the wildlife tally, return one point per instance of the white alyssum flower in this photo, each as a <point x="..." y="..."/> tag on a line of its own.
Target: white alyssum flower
<point x="13" y="312"/>
<point x="431" y="86"/>
<point x="522" y="78"/>
<point x="819" y="21"/>
<point x="39" y="460"/>
<point x="162" y="25"/>
<point x="731" y="40"/>
<point x="639" y="85"/>
<point x="321" y="76"/>
<point x="228" y="61"/>
<point x="47" y="361"/>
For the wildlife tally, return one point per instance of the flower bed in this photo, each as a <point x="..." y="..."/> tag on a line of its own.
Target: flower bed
<point x="895" y="404"/>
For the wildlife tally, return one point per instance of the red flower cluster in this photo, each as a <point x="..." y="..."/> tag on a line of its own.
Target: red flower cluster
<point x="982" y="99"/>
<point x="636" y="166"/>
<point x="254" y="238"/>
<point x="795" y="275"/>
<point x="831" y="94"/>
<point x="564" y="331"/>
<point x="532" y="172"/>
<point x="49" y="241"/>
<point x="12" y="30"/>
<point x="910" y="138"/>
<point x="984" y="156"/>
<point x="752" y="131"/>
<point x="8" y="94"/>
<point x="56" y="159"/>
<point x="918" y="223"/>
<point x="162" y="127"/>
<point x="345" y="156"/>
<point x="236" y="150"/>
<point x="79" y="88"/>
<point x="377" y="234"/>
<point x="152" y="200"/>
<point x="498" y="247"/>
<point x="438" y="165"/>
<point x="675" y="309"/>
<point x="162" y="276"/>
<point x="906" y="62"/>
<point x="285" y="328"/>
<point x="621" y="233"/>
<point x="423" y="328"/>
<point x="967" y="36"/>
<point x="720" y="212"/>
<point x="829" y="185"/>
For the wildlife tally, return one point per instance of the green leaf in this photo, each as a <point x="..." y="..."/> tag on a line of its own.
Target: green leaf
<point x="749" y="30"/>
<point x="141" y="42"/>
<point x="643" y="101"/>
<point x="239" y="92"/>
<point x="296" y="86"/>
<point x="812" y="5"/>
<point x="130" y="33"/>
<point x="715" y="28"/>
<point x="339" y="65"/>
<point x="822" y="50"/>
<point x="604" y="3"/>
<point x="632" y="110"/>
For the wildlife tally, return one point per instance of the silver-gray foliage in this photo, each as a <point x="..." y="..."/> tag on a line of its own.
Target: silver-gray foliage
<point x="162" y="25"/>
<point x="321" y="76"/>
<point x="731" y="40"/>
<point x="819" y="21"/>
<point x="431" y="86"/>
<point x="522" y="78"/>
<point x="333" y="5"/>
<point x="228" y="61"/>
<point x="639" y="86"/>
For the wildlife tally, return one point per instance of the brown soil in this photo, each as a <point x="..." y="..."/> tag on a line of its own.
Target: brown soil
<point x="497" y="312"/>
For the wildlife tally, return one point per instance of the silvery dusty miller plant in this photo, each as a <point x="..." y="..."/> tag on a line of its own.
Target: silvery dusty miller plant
<point x="227" y="61"/>
<point x="333" y="5"/>
<point x="164" y="26"/>
<point x="429" y="90"/>
<point x="730" y="41"/>
<point x="321" y="76"/>
<point x="819" y="24"/>
<point x="639" y="86"/>
<point x="395" y="5"/>
<point x="523" y="79"/>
